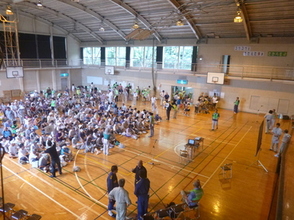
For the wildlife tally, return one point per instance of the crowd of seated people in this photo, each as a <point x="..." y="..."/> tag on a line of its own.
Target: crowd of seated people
<point x="80" y="120"/>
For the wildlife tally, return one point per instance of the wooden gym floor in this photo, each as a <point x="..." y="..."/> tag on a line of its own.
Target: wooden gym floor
<point x="82" y="195"/>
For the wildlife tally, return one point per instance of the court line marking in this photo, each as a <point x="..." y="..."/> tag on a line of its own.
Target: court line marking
<point x="82" y="187"/>
<point x="56" y="188"/>
<point x="227" y="156"/>
<point x="168" y="164"/>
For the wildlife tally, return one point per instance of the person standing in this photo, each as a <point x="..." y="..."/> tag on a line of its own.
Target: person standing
<point x="168" y="109"/>
<point x="106" y="137"/>
<point x="121" y="196"/>
<point x="175" y="109"/>
<point x="54" y="158"/>
<point x="142" y="192"/>
<point x="151" y="124"/>
<point x="138" y="169"/>
<point x="236" y="105"/>
<point x="285" y="141"/>
<point x="111" y="184"/>
<point x="215" y="117"/>
<point x="276" y="132"/>
<point x="268" y="121"/>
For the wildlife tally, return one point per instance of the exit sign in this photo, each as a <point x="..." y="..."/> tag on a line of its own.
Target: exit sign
<point x="182" y="81"/>
<point x="64" y="74"/>
<point x="277" y="54"/>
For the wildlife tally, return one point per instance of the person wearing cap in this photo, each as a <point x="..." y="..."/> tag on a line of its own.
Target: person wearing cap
<point x="193" y="196"/>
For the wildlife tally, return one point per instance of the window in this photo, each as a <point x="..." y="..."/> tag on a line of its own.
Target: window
<point x="97" y="56"/>
<point x="115" y="56"/>
<point x="92" y="55"/>
<point x="142" y="56"/>
<point x="177" y="57"/>
<point x="137" y="54"/>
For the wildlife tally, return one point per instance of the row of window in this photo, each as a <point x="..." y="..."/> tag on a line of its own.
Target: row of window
<point x="173" y="57"/>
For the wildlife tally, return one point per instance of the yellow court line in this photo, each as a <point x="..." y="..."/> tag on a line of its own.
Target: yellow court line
<point x="52" y="186"/>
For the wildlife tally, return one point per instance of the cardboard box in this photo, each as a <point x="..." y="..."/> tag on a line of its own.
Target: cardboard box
<point x="15" y="92"/>
<point x="7" y="93"/>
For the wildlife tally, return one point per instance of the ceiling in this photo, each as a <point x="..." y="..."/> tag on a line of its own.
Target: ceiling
<point x="157" y="19"/>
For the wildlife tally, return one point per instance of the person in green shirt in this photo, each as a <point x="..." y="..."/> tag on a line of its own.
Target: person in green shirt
<point x="215" y="117"/>
<point x="193" y="196"/>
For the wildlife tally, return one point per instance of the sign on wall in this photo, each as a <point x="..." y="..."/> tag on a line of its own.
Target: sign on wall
<point x="253" y="54"/>
<point x="277" y="53"/>
<point x="242" y="48"/>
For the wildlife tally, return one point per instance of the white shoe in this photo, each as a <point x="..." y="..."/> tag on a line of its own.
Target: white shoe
<point x="277" y="155"/>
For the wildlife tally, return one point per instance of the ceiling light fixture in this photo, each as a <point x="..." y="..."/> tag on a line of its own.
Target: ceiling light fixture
<point x="39" y="3"/>
<point x="135" y="25"/>
<point x="101" y="29"/>
<point x="238" y="18"/>
<point x="9" y="10"/>
<point x="180" y="22"/>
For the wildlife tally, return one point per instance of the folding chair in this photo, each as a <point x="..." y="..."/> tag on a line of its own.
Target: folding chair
<point x="177" y="210"/>
<point x="148" y="216"/>
<point x="162" y="213"/>
<point x="7" y="208"/>
<point x="227" y="170"/>
<point x="184" y="156"/>
<point x="34" y="217"/>
<point x="20" y="214"/>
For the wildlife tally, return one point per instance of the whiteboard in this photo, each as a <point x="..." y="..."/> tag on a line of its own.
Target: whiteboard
<point x="96" y="80"/>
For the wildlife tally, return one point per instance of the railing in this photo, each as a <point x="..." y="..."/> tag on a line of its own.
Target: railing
<point x="242" y="71"/>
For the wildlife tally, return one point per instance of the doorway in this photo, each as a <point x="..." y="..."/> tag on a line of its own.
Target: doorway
<point x="64" y="84"/>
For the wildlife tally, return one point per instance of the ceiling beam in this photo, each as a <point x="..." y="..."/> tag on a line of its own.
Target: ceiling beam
<point x="246" y="20"/>
<point x="67" y="18"/>
<point x="133" y="12"/>
<point x="96" y="16"/>
<point x="188" y="18"/>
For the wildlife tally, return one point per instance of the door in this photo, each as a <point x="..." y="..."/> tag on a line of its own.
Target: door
<point x="64" y="83"/>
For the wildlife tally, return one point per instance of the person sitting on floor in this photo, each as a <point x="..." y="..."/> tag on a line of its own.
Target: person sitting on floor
<point x="193" y="196"/>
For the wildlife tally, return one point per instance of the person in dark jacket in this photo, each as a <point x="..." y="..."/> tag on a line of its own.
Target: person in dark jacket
<point x="137" y="170"/>
<point x="142" y="192"/>
<point x="112" y="183"/>
<point x="54" y="158"/>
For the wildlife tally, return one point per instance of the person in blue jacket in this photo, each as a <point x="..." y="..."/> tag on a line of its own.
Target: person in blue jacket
<point x="142" y="192"/>
<point x="112" y="183"/>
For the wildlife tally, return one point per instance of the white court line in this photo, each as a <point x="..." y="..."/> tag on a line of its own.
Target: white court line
<point x="168" y="164"/>
<point x="56" y="188"/>
<point x="53" y="200"/>
<point x="81" y="185"/>
<point x="227" y="157"/>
